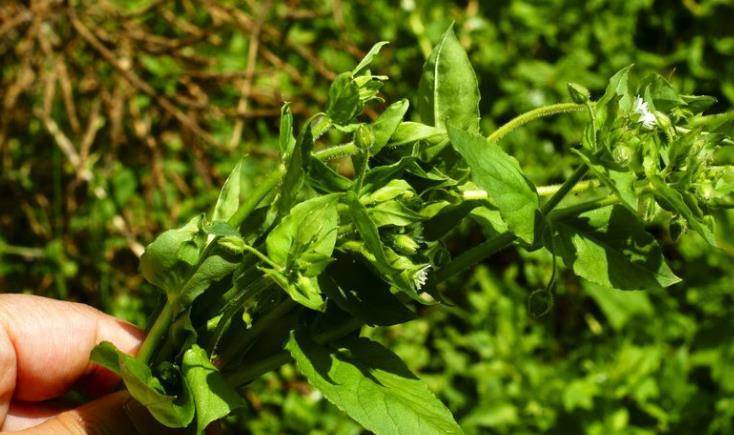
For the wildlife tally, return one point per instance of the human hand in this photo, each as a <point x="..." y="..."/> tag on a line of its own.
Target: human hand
<point x="44" y="352"/>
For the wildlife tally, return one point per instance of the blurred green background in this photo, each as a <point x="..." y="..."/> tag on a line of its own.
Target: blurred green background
<point x="122" y="118"/>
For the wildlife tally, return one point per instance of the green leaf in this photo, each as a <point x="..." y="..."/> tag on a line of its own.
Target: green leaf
<point x="410" y="132"/>
<point x="219" y="263"/>
<point x="393" y="213"/>
<point x="499" y="174"/>
<point x="229" y="197"/>
<point x="610" y="247"/>
<point x="448" y="87"/>
<point x="358" y="291"/>
<point x="170" y="410"/>
<point x="295" y="171"/>
<point x="286" y="141"/>
<point x="213" y="397"/>
<point x="373" y="386"/>
<point x="309" y="230"/>
<point x="621" y="182"/>
<point x="371" y="237"/>
<point x="671" y="199"/>
<point x="369" y="57"/>
<point x="619" y="307"/>
<point x="302" y="245"/>
<point x="385" y="125"/>
<point x="169" y="259"/>
<point x="344" y="104"/>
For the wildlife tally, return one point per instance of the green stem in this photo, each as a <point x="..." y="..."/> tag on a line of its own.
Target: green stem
<point x="250" y="372"/>
<point x="336" y="152"/>
<point x="474" y="255"/>
<point x="532" y="115"/>
<point x="576" y="209"/>
<point x="255" y="197"/>
<point x="241" y="343"/>
<point x="246" y="374"/>
<point x="581" y="186"/>
<point x="157" y="331"/>
<point x="566" y="187"/>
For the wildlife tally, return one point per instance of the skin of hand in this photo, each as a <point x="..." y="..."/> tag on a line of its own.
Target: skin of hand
<point x="44" y="352"/>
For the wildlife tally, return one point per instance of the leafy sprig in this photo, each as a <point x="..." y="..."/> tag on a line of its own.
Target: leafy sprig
<point x="294" y="268"/>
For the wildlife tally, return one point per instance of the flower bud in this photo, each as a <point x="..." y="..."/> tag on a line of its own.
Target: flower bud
<point x="405" y="244"/>
<point x="579" y="94"/>
<point x="364" y="138"/>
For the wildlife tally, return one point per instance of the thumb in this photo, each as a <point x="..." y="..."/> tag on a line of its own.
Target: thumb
<point x="113" y="414"/>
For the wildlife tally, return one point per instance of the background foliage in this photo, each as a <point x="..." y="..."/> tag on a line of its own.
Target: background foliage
<point x="120" y="119"/>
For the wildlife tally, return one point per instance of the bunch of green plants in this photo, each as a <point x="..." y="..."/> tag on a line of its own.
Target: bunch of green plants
<point x="295" y="268"/>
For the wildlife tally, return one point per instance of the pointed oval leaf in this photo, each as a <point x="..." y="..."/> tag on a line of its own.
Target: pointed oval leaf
<point x="373" y="386"/>
<point x="499" y="174"/>
<point x="448" y="87"/>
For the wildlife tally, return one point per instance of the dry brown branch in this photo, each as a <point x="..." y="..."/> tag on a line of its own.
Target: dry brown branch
<point x="138" y="83"/>
<point x="249" y="73"/>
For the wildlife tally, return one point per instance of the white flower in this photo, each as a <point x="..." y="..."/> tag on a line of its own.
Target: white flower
<point x="420" y="277"/>
<point x="647" y="119"/>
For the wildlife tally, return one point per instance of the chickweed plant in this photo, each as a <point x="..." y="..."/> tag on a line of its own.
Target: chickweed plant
<point x="294" y="269"/>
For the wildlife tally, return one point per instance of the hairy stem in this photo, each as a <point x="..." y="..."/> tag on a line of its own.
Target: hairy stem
<point x="581" y="186"/>
<point x="532" y="115"/>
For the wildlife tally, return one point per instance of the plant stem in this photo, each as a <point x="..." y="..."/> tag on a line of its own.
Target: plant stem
<point x="532" y="115"/>
<point x="576" y="209"/>
<point x="474" y="256"/>
<point x="579" y="187"/>
<point x="243" y="340"/>
<point x="566" y="187"/>
<point x="157" y="331"/>
<point x="255" y="197"/>
<point x="247" y="373"/>
<point x="336" y="152"/>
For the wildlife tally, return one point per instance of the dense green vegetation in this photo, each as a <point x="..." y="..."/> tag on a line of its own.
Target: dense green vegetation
<point x="121" y="120"/>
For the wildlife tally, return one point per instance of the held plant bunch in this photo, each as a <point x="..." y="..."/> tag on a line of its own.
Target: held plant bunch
<point x="293" y="269"/>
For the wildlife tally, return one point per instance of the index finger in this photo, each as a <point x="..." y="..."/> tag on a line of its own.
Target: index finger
<point x="45" y="346"/>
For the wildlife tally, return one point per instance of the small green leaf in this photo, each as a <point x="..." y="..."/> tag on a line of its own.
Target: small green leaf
<point x="371" y="237"/>
<point x="579" y="94"/>
<point x="344" y="103"/>
<point x="302" y="245"/>
<point x="286" y="141"/>
<point x="385" y="125"/>
<point x="610" y="247"/>
<point x="168" y="261"/>
<point x="618" y="180"/>
<point x="213" y="397"/>
<point x="448" y="87"/>
<point x="499" y="174"/>
<point x="309" y="230"/>
<point x="410" y="132"/>
<point x="671" y="199"/>
<point x="372" y="385"/>
<point x="170" y="410"/>
<point x="229" y="197"/>
<point x="369" y="57"/>
<point x="216" y="266"/>
<point x="295" y="171"/>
